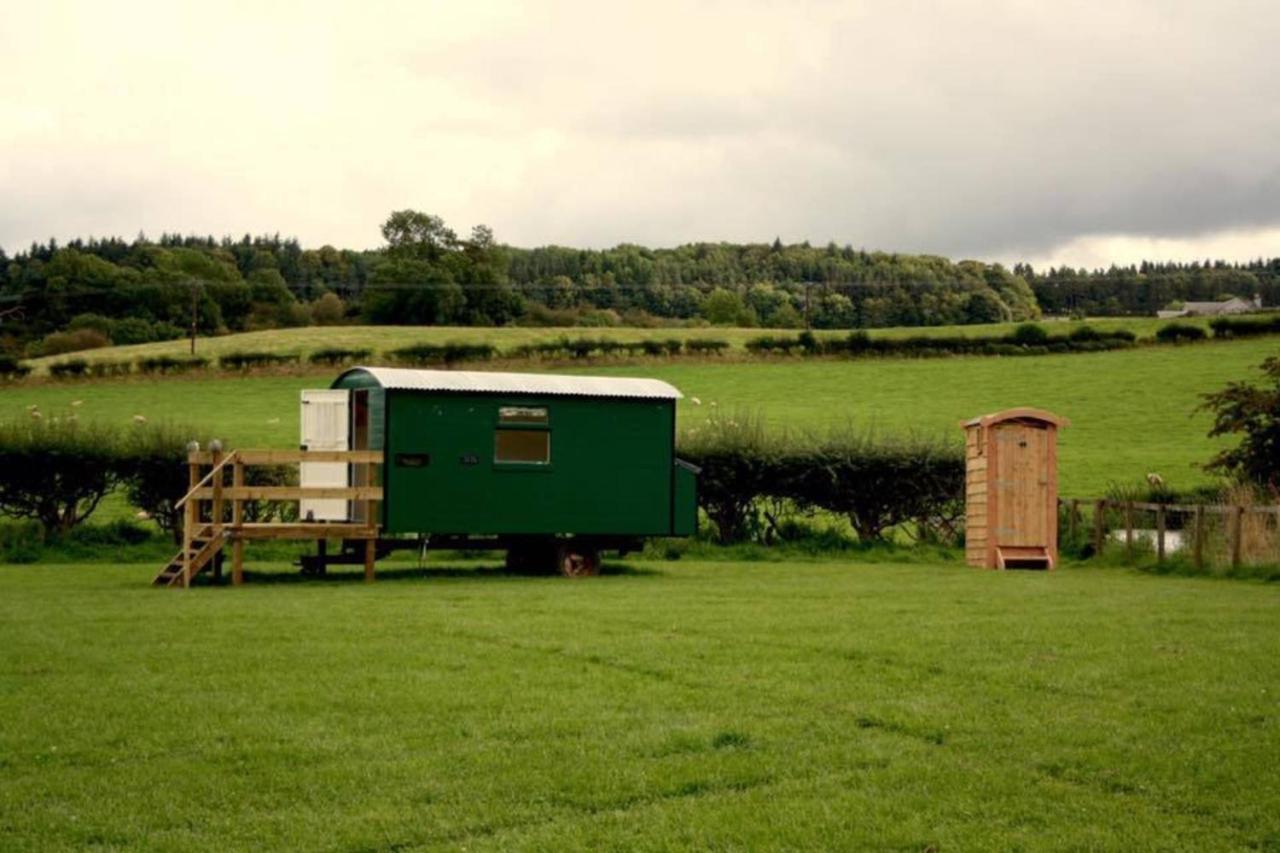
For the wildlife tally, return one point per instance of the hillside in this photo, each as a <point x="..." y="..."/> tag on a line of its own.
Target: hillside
<point x="1133" y="411"/>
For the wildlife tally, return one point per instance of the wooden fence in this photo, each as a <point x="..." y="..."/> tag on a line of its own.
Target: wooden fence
<point x="1232" y="517"/>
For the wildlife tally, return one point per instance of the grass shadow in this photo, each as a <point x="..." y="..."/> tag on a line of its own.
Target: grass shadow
<point x="454" y="573"/>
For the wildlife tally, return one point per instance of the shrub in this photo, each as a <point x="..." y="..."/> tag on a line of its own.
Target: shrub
<point x="249" y="360"/>
<point x="169" y="364"/>
<point x="1179" y="332"/>
<point x="98" y="323"/>
<point x="72" y="369"/>
<point x="448" y="353"/>
<point x="876" y="484"/>
<point x="337" y="355"/>
<point x="153" y="468"/>
<point x="133" y="330"/>
<point x="328" y="310"/>
<point x="56" y="471"/>
<point x="1029" y="334"/>
<point x="705" y="346"/>
<point x="58" y="343"/>
<point x="11" y="368"/>
<point x="103" y="369"/>
<point x="1243" y="327"/>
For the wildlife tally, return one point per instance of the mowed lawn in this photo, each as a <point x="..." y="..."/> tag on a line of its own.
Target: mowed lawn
<point x="667" y="705"/>
<point x="1132" y="412"/>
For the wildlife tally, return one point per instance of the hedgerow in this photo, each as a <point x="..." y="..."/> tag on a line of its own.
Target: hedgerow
<point x="11" y="368"/>
<point x="1176" y="333"/>
<point x="169" y="364"/>
<point x="876" y="483"/>
<point x="248" y="360"/>
<point x="334" y="356"/>
<point x="55" y="470"/>
<point x="449" y="353"/>
<point x="1027" y="339"/>
<point x="1244" y="327"/>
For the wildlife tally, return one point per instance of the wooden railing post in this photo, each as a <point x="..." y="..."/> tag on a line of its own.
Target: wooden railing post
<point x="215" y="448"/>
<point x="237" y="519"/>
<point x="1160" y="534"/>
<point x="1235" y="531"/>
<point x="370" y="554"/>
<point x="1099" y="525"/>
<point x="1197" y="543"/>
<point x="1128" y="530"/>
<point x="191" y="513"/>
<point x="1073" y="511"/>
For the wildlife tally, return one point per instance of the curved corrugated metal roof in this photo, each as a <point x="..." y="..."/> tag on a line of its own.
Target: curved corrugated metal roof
<point x="484" y="382"/>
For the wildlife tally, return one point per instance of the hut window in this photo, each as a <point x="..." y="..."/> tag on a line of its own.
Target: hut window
<point x="522" y="446"/>
<point x="522" y="415"/>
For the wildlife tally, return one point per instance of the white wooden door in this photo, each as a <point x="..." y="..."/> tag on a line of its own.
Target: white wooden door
<point x="326" y="425"/>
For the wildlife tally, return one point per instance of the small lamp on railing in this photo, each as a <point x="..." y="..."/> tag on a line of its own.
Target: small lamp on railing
<point x="215" y="446"/>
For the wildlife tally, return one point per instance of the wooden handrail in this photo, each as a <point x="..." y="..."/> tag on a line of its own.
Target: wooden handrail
<point x="230" y="457"/>
<point x="291" y="493"/>
<point x="283" y="457"/>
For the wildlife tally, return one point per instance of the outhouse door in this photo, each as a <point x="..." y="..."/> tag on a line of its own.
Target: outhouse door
<point x="1022" y="485"/>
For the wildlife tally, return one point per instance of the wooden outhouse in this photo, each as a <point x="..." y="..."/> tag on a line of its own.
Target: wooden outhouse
<point x="1011" y="489"/>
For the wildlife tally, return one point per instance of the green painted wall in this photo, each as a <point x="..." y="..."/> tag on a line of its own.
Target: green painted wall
<point x="611" y="467"/>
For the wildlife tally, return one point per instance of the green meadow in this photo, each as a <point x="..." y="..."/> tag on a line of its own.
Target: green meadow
<point x="1132" y="412"/>
<point x="383" y="338"/>
<point x="808" y="705"/>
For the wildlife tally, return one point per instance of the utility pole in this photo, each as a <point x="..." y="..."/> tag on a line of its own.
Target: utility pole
<point x="195" y="306"/>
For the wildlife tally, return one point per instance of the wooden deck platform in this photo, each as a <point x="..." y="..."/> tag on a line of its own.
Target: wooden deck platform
<point x="214" y="516"/>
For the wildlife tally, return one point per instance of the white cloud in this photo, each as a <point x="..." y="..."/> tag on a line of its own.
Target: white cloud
<point x="1005" y="130"/>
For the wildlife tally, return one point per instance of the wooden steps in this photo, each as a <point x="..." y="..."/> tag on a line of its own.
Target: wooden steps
<point x="205" y="546"/>
<point x="1014" y="557"/>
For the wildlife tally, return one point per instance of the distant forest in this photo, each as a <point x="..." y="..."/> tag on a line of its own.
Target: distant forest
<point x="113" y="290"/>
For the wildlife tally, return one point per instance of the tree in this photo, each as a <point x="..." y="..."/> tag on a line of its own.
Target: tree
<point x="1254" y="412"/>
<point x="723" y="307"/>
<point x="422" y="236"/>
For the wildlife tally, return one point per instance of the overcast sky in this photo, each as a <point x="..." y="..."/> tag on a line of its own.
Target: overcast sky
<point x="1075" y="132"/>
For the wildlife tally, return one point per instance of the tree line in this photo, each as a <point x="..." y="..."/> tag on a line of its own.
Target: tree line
<point x="118" y="291"/>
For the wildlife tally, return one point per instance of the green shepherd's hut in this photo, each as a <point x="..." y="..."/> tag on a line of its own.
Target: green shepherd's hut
<point x="552" y="468"/>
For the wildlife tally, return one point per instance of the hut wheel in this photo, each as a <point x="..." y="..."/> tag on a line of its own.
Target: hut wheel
<point x="578" y="561"/>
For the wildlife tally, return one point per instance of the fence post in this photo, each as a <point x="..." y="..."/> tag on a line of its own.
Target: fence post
<point x="1160" y="534"/>
<point x="1237" y="516"/>
<point x="1128" y="530"/>
<point x="1197" y="544"/>
<point x="1099" y="525"/>
<point x="191" y="516"/>
<point x="218" y="508"/>
<point x="1073" y="509"/>
<point x="237" y="519"/>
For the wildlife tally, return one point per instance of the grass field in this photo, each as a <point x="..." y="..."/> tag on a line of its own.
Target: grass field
<point x="1132" y="411"/>
<point x="382" y="338"/>
<point x="808" y="705"/>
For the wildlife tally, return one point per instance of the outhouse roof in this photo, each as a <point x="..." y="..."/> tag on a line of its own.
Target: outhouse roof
<point x="547" y="384"/>
<point x="1023" y="413"/>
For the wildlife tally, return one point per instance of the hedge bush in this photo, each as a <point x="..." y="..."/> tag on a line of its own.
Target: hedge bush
<point x="169" y="364"/>
<point x="11" y="368"/>
<point x="334" y="356"/>
<point x="1244" y="327"/>
<point x="448" y="353"/>
<point x="249" y="360"/>
<point x="1027" y="339"/>
<point x="876" y="484"/>
<point x="55" y="471"/>
<point x="1176" y="333"/>
<point x="705" y="346"/>
<point x="72" y="369"/>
